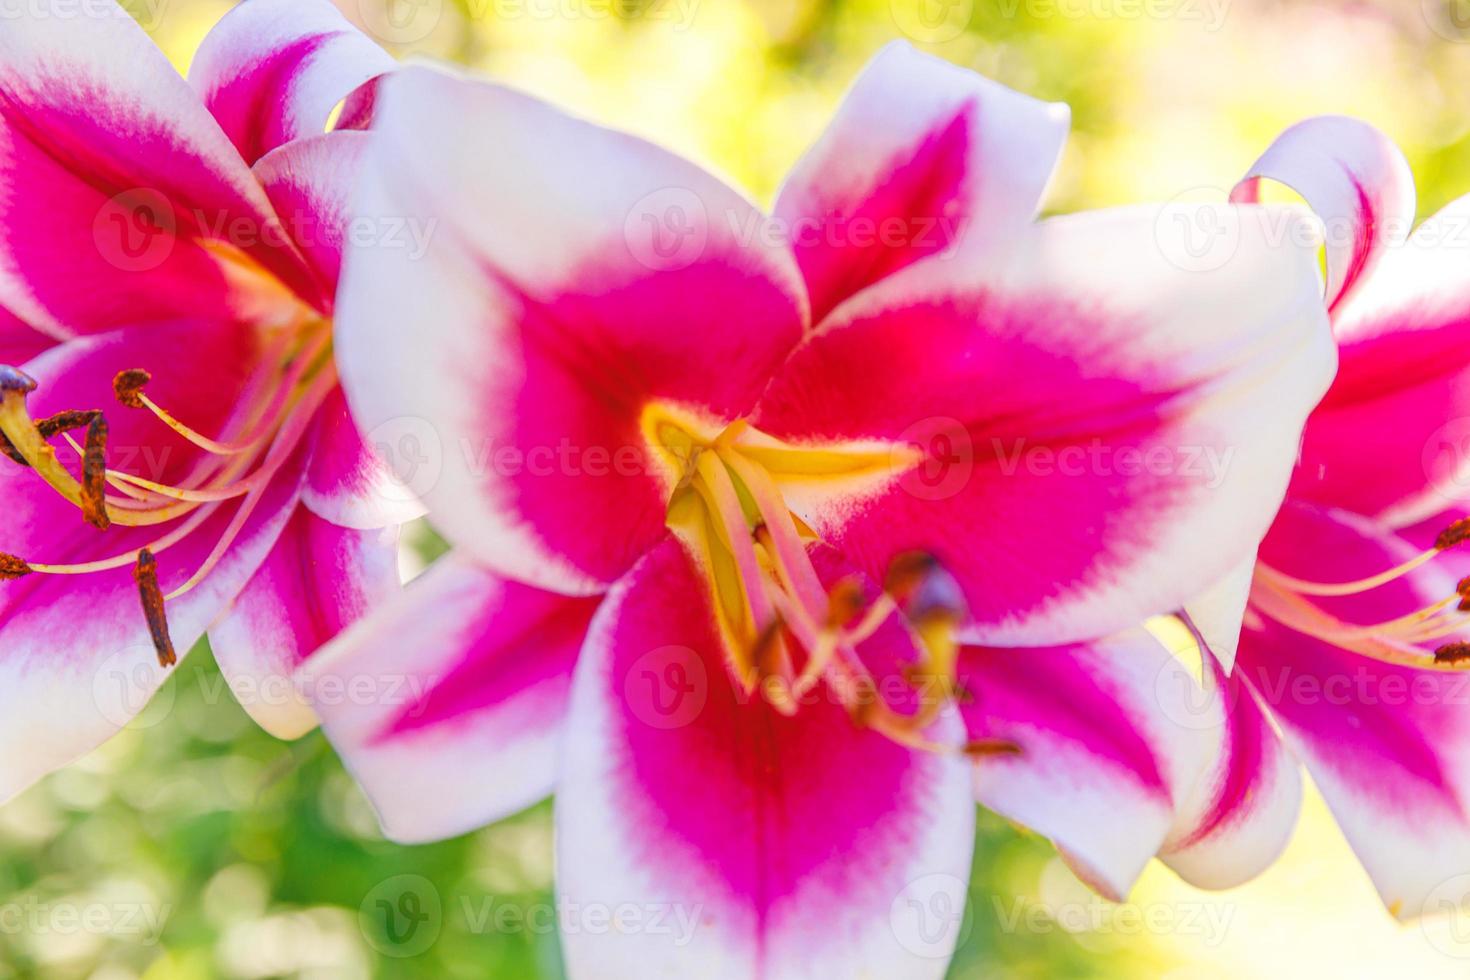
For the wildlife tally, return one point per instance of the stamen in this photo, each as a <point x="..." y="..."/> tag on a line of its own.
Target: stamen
<point x="1456" y="533"/>
<point x="1452" y="653"/>
<point x="982" y="748"/>
<point x="94" y="475"/>
<point x="12" y="567"/>
<point x="146" y="575"/>
<point x="66" y="421"/>
<point x="1307" y="587"/>
<point x="128" y="386"/>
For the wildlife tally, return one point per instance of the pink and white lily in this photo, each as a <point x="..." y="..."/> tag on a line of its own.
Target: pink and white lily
<point x="1355" y="610"/>
<point x="169" y="402"/>
<point x="727" y="488"/>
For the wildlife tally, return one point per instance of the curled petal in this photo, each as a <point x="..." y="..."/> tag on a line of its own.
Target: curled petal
<point x="272" y="71"/>
<point x="1355" y="178"/>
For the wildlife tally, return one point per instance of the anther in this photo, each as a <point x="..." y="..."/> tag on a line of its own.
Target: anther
<point x="94" y="475"/>
<point x="1453" y="535"/>
<point x="923" y="589"/>
<point x="1452" y="653"/>
<point x="129" y="384"/>
<point x="145" y="573"/>
<point x="844" y="602"/>
<point x="66" y="421"/>
<point x="981" y="748"/>
<point x="14" y="379"/>
<point x="12" y="567"/>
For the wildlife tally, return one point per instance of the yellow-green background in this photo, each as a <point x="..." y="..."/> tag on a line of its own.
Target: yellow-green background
<point x="263" y="852"/>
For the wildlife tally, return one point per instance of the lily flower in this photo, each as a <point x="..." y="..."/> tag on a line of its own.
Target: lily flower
<point x="725" y="488"/>
<point x="180" y="458"/>
<point x="1355" y="615"/>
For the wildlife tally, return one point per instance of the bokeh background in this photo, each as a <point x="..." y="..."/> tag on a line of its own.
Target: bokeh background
<point x="195" y="846"/>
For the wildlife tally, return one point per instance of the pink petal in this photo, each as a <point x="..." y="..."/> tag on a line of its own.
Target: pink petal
<point x="1103" y="763"/>
<point x="115" y="173"/>
<point x="1245" y="805"/>
<point x="74" y="649"/>
<point x="1102" y="433"/>
<point x="1388" y="746"/>
<point x="18" y="341"/>
<point x="1215" y="614"/>
<point x="447" y="702"/>
<point x="932" y="156"/>
<point x="1391" y="438"/>
<point x="524" y="344"/>
<point x="348" y="481"/>
<point x="308" y="182"/>
<point x="777" y="846"/>
<point x="272" y="71"/>
<point x="1355" y="178"/>
<point x="318" y="580"/>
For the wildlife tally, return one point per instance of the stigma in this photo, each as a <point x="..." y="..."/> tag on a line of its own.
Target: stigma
<point x="789" y="636"/>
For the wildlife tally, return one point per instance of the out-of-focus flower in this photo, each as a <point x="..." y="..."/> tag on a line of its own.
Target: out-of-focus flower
<point x="1355" y="610"/>
<point x="167" y="276"/>
<point x="725" y="487"/>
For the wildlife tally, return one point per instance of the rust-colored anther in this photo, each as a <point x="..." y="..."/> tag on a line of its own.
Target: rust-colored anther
<point x="66" y="421"/>
<point x="767" y="647"/>
<point x="982" y="748"/>
<point x="94" y="475"/>
<point x="145" y="573"/>
<point x="12" y="567"/>
<point x="128" y="384"/>
<point x="1452" y="653"/>
<point x="1454" y="534"/>
<point x="844" y="602"/>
